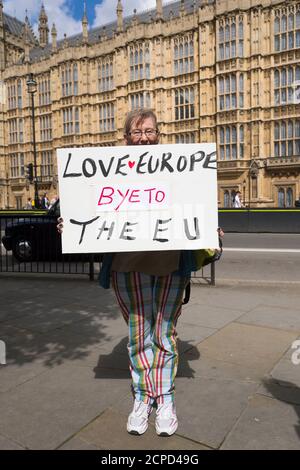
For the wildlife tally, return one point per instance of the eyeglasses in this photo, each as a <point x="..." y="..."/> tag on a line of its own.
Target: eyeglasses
<point x="137" y="133"/>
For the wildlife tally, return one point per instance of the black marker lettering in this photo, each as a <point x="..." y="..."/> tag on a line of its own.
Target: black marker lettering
<point x="182" y="163"/>
<point x="93" y="166"/>
<point x="164" y="162"/>
<point x="70" y="175"/>
<point x="105" y="171"/>
<point x="187" y="232"/>
<point x="210" y="158"/>
<point x="120" y="165"/>
<point x="194" y="159"/>
<point x="84" y="224"/>
<point x="157" y="229"/>
<point x="125" y="230"/>
<point x="141" y="163"/>
<point x="103" y="228"/>
<point x="150" y="169"/>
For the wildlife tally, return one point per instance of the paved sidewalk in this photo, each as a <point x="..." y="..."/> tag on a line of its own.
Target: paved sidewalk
<point x="66" y="381"/>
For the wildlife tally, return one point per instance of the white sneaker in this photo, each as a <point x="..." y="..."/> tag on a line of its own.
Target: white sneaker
<point x="138" y="419"/>
<point x="166" y="422"/>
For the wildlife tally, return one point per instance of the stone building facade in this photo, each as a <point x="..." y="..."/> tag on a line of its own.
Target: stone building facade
<point x="223" y="71"/>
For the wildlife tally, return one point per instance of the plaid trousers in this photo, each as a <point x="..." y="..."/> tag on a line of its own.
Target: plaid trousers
<point x="151" y="306"/>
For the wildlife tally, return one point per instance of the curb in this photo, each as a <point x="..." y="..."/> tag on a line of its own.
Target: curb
<point x="255" y="282"/>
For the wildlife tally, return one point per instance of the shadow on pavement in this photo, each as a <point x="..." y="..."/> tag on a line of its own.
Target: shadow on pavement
<point x="286" y="392"/>
<point x="63" y="321"/>
<point x="116" y="365"/>
<point x="50" y="321"/>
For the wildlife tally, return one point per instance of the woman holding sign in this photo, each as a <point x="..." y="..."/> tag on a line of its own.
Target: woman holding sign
<point x="149" y="287"/>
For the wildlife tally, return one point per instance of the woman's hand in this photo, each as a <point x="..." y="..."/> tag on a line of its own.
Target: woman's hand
<point x="60" y="225"/>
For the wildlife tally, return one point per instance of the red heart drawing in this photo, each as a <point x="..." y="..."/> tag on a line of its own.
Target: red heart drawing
<point x="131" y="164"/>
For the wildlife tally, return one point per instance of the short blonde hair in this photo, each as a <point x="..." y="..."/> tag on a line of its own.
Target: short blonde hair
<point x="138" y="115"/>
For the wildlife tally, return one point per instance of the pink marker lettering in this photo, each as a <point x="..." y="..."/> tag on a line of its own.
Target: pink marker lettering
<point x="106" y="196"/>
<point x="161" y="198"/>
<point x="150" y="194"/>
<point x="133" y="195"/>
<point x="123" y="196"/>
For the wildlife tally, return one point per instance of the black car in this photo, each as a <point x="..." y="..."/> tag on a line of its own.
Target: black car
<point x="34" y="237"/>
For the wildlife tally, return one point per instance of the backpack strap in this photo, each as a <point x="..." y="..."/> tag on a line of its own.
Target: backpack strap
<point x="187" y="293"/>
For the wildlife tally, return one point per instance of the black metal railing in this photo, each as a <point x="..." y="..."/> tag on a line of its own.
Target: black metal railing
<point x="30" y="244"/>
<point x="206" y="275"/>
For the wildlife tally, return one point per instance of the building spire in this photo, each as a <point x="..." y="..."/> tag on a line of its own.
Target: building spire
<point x="182" y="10"/>
<point x="159" y="10"/>
<point x="85" y="35"/>
<point x="26" y="38"/>
<point x="84" y="18"/>
<point x="134" y="21"/>
<point x="182" y="7"/>
<point x="54" y="37"/>
<point x="1" y="12"/>
<point x="43" y="27"/>
<point x="2" y="43"/>
<point x="120" y="15"/>
<point x="26" y="30"/>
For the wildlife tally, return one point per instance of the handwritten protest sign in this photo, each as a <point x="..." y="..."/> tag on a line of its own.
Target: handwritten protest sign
<point x="138" y="198"/>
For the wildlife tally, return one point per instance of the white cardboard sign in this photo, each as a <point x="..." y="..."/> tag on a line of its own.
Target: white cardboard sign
<point x="138" y="198"/>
